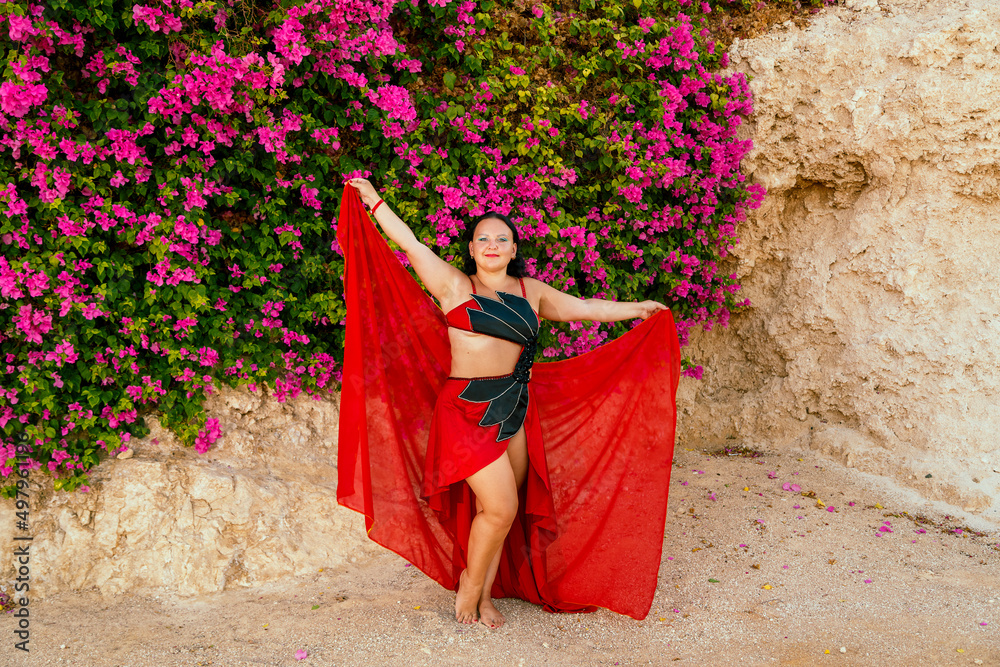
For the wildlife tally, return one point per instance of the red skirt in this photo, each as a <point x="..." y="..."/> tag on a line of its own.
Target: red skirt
<point x="600" y="436"/>
<point x="458" y="446"/>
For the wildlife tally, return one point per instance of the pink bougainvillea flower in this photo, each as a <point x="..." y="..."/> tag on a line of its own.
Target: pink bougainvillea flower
<point x="33" y="322"/>
<point x="207" y="436"/>
<point x="17" y="99"/>
<point x="20" y="27"/>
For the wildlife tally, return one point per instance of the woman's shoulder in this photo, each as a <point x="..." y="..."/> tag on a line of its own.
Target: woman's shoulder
<point x="535" y="286"/>
<point x="530" y="283"/>
<point x="535" y="291"/>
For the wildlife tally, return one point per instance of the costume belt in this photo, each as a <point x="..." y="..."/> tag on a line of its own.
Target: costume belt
<point x="507" y="395"/>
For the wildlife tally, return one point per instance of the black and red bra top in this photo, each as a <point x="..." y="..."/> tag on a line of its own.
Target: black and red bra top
<point x="512" y="318"/>
<point x="509" y="316"/>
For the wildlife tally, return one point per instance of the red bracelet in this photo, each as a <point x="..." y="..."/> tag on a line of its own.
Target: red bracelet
<point x="375" y="207"/>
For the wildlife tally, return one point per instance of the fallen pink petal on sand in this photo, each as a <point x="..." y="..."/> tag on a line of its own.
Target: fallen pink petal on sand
<point x="301" y="654"/>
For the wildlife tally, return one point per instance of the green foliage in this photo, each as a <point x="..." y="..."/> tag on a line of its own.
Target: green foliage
<point x="168" y="216"/>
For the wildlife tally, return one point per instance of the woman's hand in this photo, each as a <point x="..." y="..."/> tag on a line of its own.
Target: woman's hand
<point x="440" y="278"/>
<point x="369" y="195"/>
<point x="649" y="308"/>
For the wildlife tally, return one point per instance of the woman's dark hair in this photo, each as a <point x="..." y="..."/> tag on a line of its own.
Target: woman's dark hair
<point x="516" y="267"/>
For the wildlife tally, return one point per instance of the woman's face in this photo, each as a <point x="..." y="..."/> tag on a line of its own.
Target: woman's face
<point x="492" y="245"/>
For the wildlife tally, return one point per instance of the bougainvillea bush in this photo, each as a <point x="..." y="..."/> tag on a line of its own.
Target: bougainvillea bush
<point x="170" y="173"/>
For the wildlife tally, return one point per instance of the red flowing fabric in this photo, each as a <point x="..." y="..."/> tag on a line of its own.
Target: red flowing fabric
<point x="600" y="430"/>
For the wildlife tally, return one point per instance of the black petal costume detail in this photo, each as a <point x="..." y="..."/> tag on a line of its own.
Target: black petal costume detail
<point x="510" y="318"/>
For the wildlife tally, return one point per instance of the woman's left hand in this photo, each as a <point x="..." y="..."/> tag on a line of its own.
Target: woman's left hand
<point x="369" y="195"/>
<point x="649" y="308"/>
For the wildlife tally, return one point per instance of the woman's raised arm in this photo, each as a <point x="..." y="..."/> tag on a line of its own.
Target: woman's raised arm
<point x="440" y="278"/>
<point x="561" y="307"/>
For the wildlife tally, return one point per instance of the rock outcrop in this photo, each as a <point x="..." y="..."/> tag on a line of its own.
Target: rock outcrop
<point x="259" y="506"/>
<point x="874" y="330"/>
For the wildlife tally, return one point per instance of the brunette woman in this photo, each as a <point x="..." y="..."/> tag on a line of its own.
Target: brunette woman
<point x="478" y="431"/>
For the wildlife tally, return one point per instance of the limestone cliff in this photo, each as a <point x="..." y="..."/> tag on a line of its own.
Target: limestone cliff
<point x="872" y="266"/>
<point x="259" y="506"/>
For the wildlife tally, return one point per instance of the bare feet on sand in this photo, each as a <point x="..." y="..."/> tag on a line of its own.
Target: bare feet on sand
<point x="466" y="599"/>
<point x="489" y="615"/>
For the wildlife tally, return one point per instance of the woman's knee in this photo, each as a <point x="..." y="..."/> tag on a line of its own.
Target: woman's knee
<point x="501" y="512"/>
<point x="496" y="492"/>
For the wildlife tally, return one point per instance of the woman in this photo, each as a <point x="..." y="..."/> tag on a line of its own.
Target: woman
<point x="484" y="416"/>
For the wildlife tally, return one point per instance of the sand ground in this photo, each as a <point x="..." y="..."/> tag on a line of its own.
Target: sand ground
<point x="845" y="571"/>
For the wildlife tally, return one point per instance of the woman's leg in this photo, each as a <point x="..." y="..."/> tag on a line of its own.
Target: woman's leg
<point x="495" y="487"/>
<point x="517" y="453"/>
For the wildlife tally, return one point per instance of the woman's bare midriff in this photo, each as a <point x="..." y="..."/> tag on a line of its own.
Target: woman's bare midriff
<point x="479" y="355"/>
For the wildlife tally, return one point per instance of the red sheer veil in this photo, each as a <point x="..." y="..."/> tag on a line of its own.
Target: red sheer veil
<point x="601" y="435"/>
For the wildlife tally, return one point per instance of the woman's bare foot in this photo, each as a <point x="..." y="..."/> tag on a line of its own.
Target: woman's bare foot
<point x="489" y="615"/>
<point x="466" y="599"/>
